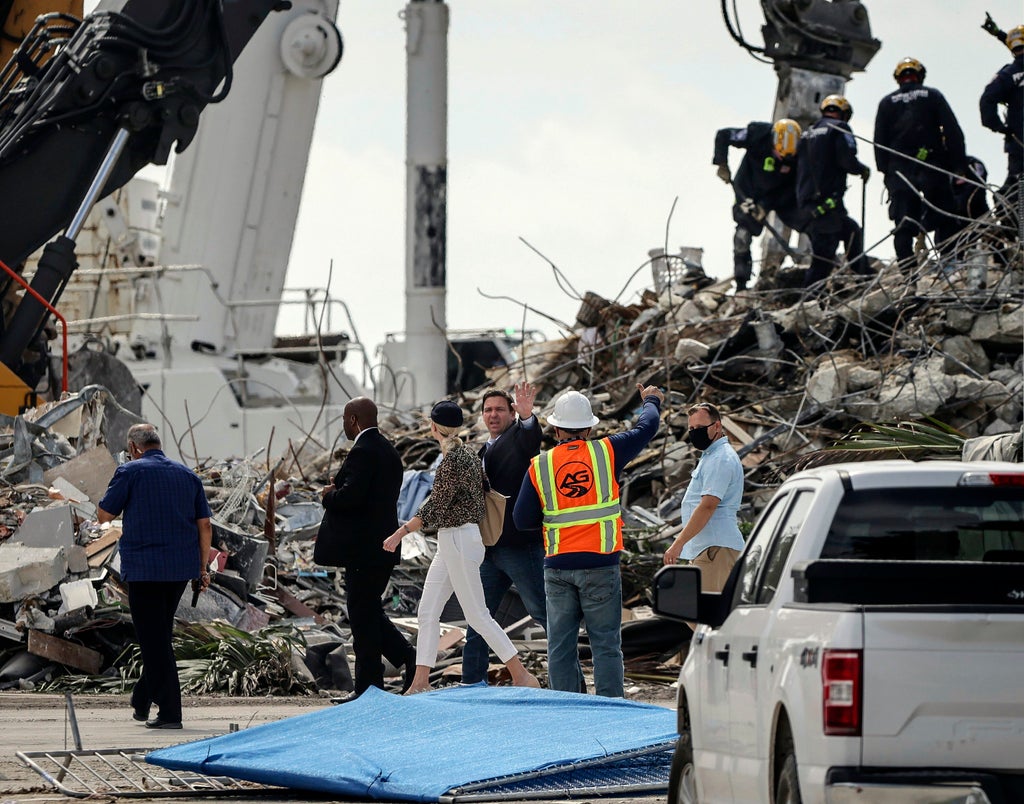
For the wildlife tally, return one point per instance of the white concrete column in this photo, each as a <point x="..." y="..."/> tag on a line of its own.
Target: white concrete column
<point x="426" y="25"/>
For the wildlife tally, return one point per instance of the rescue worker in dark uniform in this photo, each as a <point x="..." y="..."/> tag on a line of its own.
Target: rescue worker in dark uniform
<point x="971" y="199"/>
<point x="765" y="182"/>
<point x="917" y="123"/>
<point x="827" y="155"/>
<point x="1007" y="87"/>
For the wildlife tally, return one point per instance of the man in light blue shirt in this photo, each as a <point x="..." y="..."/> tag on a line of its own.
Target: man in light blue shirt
<point x="711" y="537"/>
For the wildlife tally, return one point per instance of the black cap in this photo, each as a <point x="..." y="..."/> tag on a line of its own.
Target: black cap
<point x="447" y="414"/>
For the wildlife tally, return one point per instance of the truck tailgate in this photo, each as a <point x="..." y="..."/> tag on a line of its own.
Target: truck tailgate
<point x="943" y="684"/>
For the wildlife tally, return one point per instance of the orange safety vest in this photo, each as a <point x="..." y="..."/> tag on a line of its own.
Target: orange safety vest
<point x="579" y="496"/>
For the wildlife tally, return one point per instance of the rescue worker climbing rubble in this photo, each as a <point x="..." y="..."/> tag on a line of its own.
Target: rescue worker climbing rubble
<point x="918" y="141"/>
<point x="765" y="182"/>
<point x="1007" y="89"/>
<point x="827" y="154"/>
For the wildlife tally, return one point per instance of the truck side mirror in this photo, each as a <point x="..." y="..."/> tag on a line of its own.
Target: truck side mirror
<point x="677" y="593"/>
<point x="677" y="596"/>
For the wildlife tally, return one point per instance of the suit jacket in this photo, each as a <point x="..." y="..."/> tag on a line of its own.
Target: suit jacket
<point x="506" y="462"/>
<point x="362" y="510"/>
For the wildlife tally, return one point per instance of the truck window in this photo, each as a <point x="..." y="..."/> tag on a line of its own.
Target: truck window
<point x="753" y="557"/>
<point x="929" y="524"/>
<point x="779" y="549"/>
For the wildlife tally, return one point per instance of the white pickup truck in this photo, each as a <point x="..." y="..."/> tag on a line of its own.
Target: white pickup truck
<point x="868" y="646"/>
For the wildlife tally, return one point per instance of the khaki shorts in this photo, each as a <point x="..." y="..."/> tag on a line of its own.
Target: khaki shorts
<point x="715" y="565"/>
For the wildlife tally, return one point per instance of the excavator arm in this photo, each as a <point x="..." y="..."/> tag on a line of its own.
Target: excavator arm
<point x="84" y="105"/>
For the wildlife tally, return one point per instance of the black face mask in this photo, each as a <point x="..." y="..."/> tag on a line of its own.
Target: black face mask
<point x="699" y="437"/>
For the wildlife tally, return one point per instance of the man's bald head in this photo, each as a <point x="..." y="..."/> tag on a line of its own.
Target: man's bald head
<point x="360" y="413"/>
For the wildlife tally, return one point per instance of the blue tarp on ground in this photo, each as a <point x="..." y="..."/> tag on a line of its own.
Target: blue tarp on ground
<point x="418" y="747"/>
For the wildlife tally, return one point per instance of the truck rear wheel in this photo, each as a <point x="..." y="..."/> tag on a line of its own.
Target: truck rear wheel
<point x="682" y="784"/>
<point x="787" y="791"/>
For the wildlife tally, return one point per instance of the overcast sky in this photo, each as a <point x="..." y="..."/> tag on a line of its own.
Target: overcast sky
<point x="576" y="124"/>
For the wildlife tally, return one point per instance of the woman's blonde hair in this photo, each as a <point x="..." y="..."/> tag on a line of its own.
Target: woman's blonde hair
<point x="449" y="436"/>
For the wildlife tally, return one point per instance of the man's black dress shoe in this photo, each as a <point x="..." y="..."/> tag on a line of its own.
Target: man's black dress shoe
<point x="344" y="699"/>
<point x="136" y="715"/>
<point x="159" y="723"/>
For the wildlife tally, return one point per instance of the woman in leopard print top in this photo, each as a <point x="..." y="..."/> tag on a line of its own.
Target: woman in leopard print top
<point x="454" y="507"/>
<point x="458" y="494"/>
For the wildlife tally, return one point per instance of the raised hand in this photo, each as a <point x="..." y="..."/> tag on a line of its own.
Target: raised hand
<point x="524" y="394"/>
<point x="650" y="390"/>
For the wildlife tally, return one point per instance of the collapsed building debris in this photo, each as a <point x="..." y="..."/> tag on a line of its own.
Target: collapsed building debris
<point x="794" y="371"/>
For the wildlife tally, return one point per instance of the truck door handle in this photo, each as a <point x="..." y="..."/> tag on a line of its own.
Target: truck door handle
<point x="723" y="655"/>
<point x="750" y="656"/>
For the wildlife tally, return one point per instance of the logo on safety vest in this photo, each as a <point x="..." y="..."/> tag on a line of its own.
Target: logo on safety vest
<point x="574" y="480"/>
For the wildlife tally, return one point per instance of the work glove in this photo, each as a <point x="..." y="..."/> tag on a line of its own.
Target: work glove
<point x="989" y="26"/>
<point x="823" y="208"/>
<point x="724" y="174"/>
<point x="748" y="206"/>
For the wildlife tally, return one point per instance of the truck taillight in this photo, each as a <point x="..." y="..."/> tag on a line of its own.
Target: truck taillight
<point x="841" y="691"/>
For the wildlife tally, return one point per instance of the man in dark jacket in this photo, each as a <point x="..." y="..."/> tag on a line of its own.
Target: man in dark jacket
<point x="360" y="511"/>
<point x="518" y="557"/>
<point x="1007" y="88"/>
<point x="765" y="182"/>
<point x="917" y="135"/>
<point x="827" y="155"/>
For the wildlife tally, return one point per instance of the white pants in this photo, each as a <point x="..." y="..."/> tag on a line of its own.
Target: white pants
<point x="456" y="567"/>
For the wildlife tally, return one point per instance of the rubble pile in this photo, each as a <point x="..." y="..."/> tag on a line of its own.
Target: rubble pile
<point x="270" y="623"/>
<point x="793" y="371"/>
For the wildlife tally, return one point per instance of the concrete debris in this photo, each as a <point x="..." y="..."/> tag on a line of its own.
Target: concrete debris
<point x="793" y="371"/>
<point x="26" y="571"/>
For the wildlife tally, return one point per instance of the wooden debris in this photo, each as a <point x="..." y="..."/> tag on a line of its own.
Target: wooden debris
<point x="64" y="652"/>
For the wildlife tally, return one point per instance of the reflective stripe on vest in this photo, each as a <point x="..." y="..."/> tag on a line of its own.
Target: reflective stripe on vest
<point x="601" y="512"/>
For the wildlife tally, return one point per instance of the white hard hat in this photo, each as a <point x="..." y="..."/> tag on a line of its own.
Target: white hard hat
<point x="573" y="412"/>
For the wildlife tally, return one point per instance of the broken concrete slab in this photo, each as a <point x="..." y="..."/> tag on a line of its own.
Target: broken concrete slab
<point x="827" y="383"/>
<point x="1004" y="326"/>
<point x="962" y="351"/>
<point x="67" y="490"/>
<point x="78" y="559"/>
<point x="913" y="395"/>
<point x="47" y="527"/>
<point x="28" y="571"/>
<point x="89" y="472"/>
<point x="690" y="350"/>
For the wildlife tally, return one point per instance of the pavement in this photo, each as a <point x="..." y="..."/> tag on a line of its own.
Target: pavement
<point x="39" y="722"/>
<point x="31" y="722"/>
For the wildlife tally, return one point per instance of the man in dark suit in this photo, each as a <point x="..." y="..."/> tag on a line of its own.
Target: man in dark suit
<point x="518" y="557"/>
<point x="360" y="512"/>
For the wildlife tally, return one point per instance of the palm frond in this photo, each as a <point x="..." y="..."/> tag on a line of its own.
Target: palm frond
<point x="904" y="439"/>
<point x="212" y="657"/>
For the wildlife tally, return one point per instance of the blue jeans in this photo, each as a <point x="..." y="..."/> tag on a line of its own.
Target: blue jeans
<point x="503" y="566"/>
<point x="593" y="597"/>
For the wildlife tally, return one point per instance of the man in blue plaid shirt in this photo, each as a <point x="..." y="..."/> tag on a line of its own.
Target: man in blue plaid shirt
<point x="165" y="544"/>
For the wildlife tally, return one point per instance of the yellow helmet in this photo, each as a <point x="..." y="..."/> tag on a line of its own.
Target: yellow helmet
<point x="909" y="64"/>
<point x="839" y="104"/>
<point x="785" y="136"/>
<point x="1015" y="38"/>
